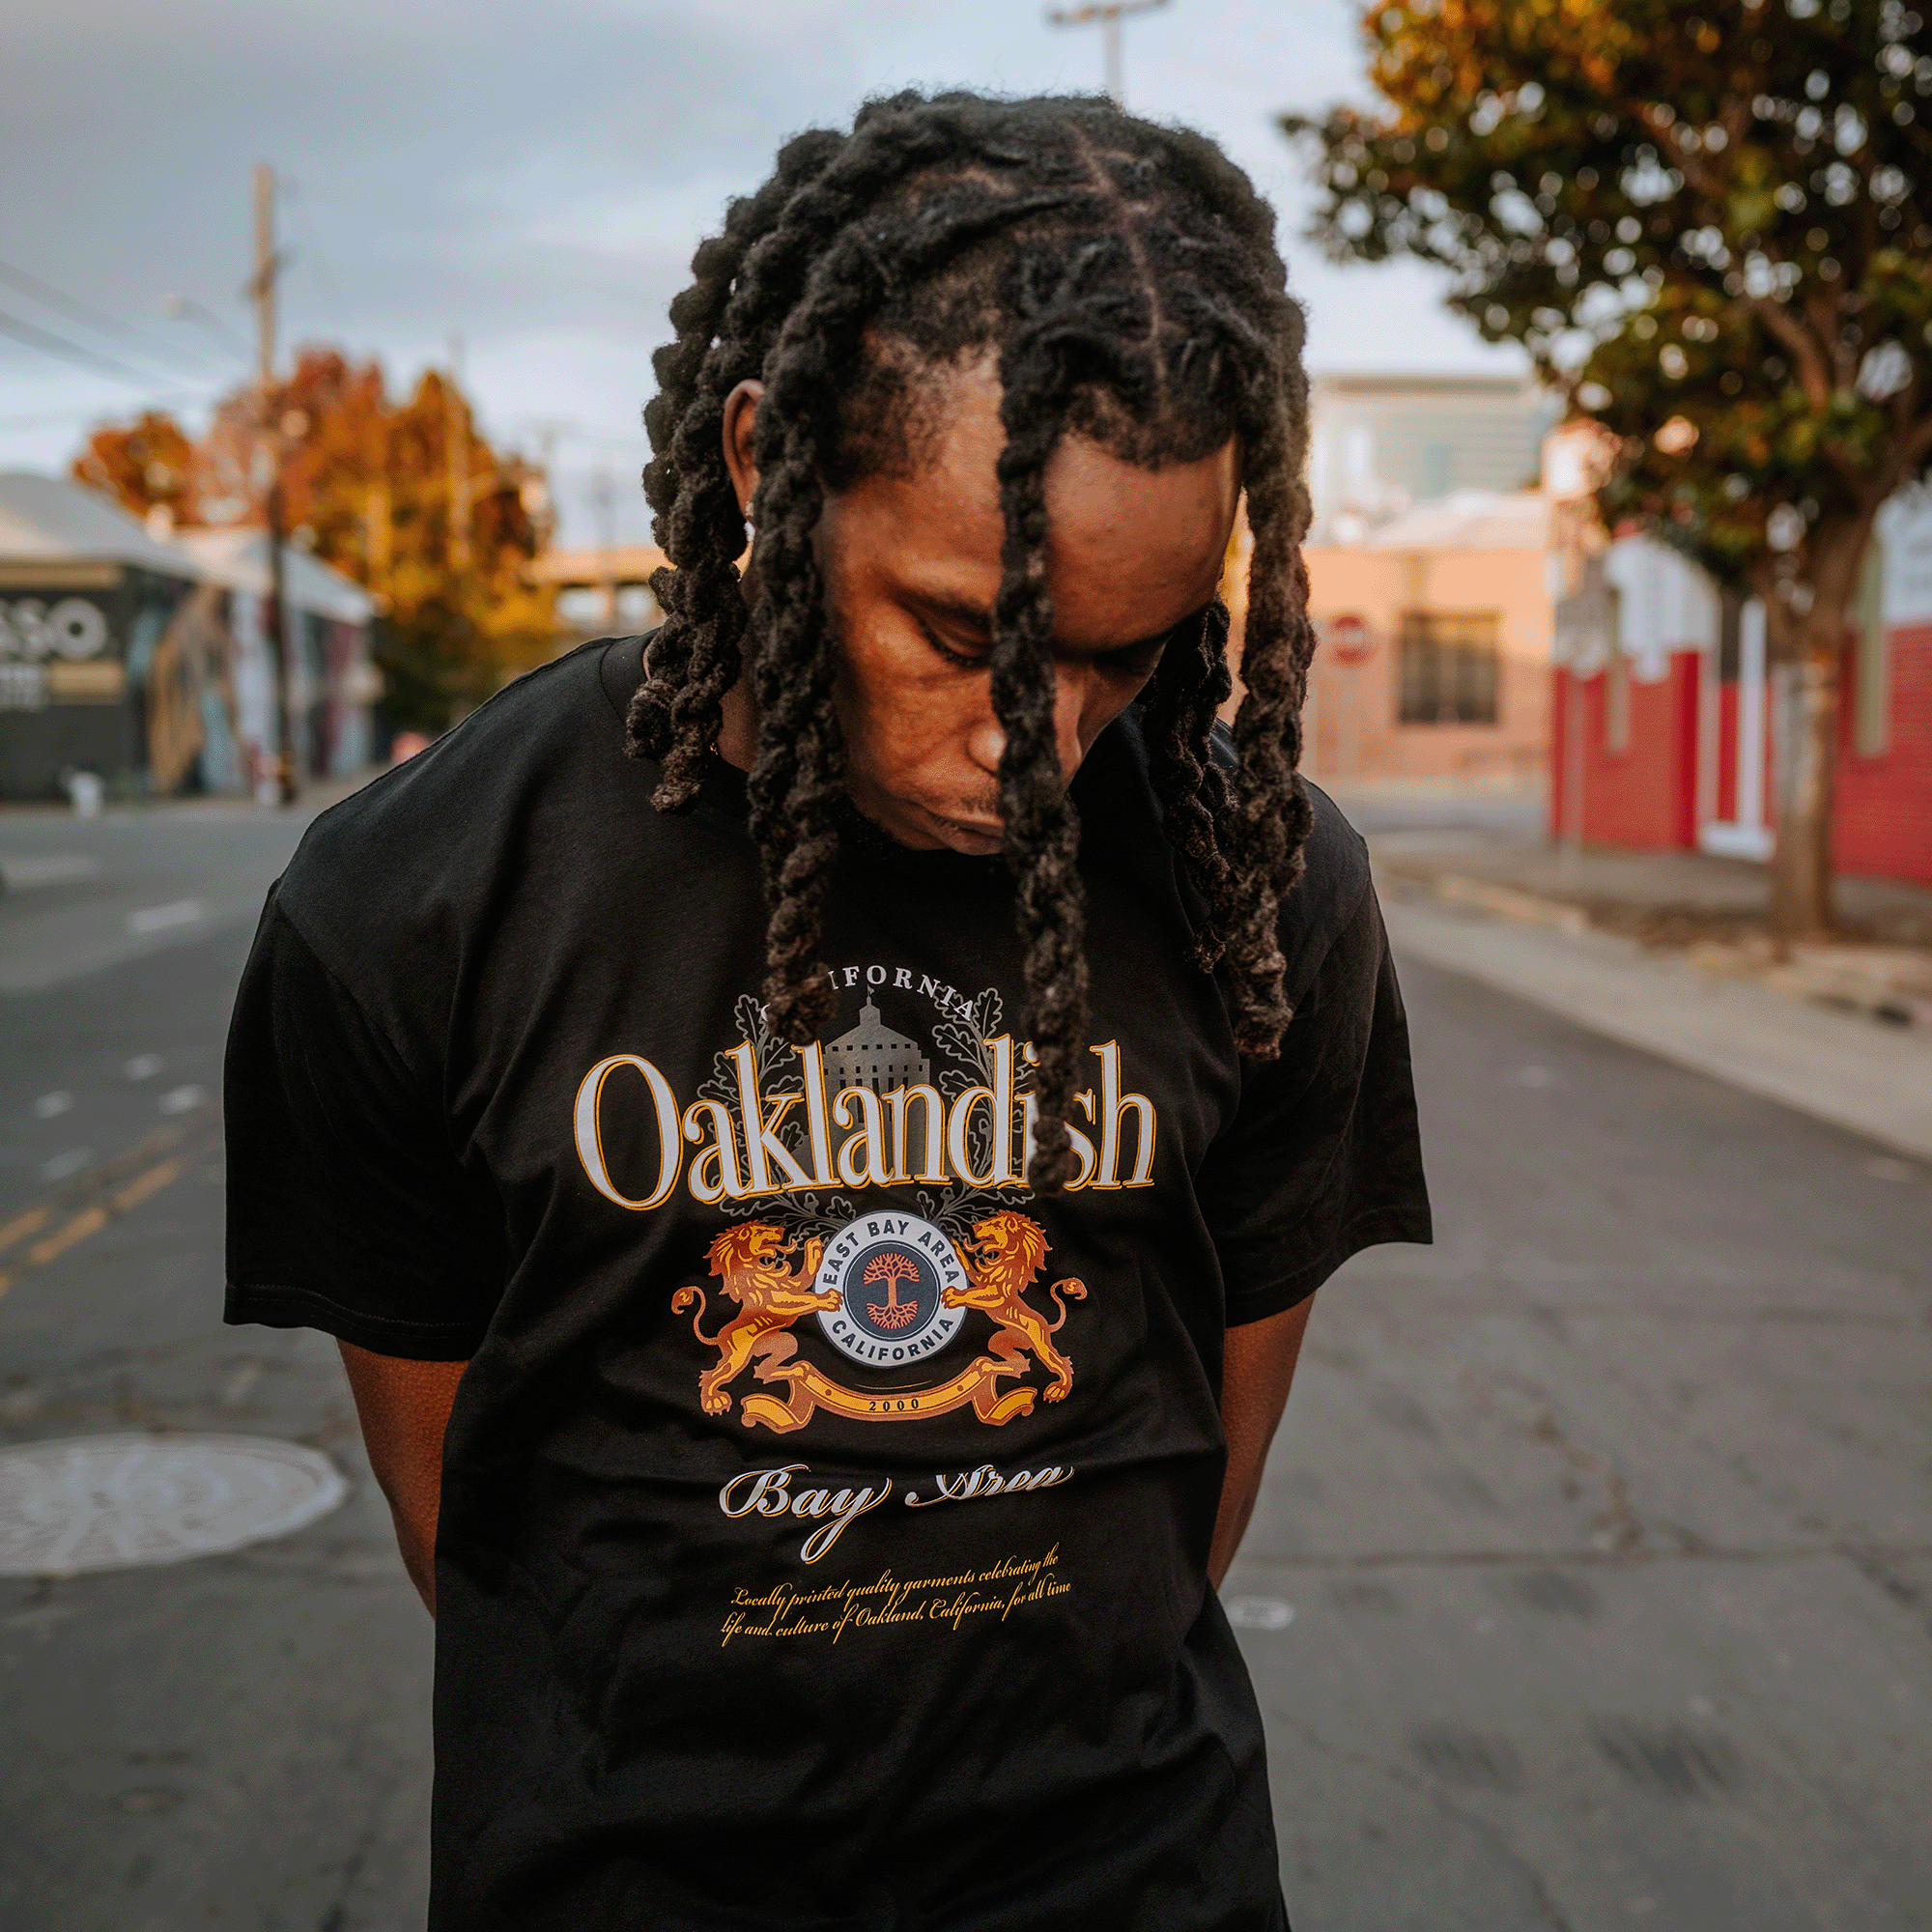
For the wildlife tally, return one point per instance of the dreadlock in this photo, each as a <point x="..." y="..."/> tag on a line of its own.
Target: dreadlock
<point x="1126" y="278"/>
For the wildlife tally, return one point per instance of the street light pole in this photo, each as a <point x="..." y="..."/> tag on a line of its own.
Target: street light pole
<point x="262" y="286"/>
<point x="1109" y="13"/>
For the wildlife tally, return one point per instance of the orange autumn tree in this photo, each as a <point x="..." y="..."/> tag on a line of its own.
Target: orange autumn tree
<point x="149" y="464"/>
<point x="371" y="486"/>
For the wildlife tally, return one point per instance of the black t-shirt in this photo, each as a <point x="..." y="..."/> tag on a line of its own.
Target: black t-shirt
<point x="824" y="1514"/>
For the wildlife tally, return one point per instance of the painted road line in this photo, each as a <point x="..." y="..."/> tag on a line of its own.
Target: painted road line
<point x="23" y="1225"/>
<point x="160" y="918"/>
<point x="153" y="1182"/>
<point x="89" y="1221"/>
<point x="113" y="1189"/>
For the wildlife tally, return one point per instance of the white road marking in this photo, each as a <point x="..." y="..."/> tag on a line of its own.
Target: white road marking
<point x="1262" y="1613"/>
<point x="143" y="1066"/>
<point x="50" y="1105"/>
<point x="50" y="869"/>
<point x="179" y="1100"/>
<point x="159" y="919"/>
<point x="64" y="1164"/>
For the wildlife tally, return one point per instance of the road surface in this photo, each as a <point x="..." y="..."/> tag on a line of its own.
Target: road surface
<point x="1591" y="1585"/>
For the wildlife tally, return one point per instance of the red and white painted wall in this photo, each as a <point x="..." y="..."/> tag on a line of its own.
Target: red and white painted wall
<point x="1663" y="731"/>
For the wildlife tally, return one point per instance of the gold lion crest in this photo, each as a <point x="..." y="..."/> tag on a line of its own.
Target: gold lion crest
<point x="754" y="1265"/>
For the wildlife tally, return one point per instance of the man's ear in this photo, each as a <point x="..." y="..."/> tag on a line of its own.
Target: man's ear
<point x="741" y="420"/>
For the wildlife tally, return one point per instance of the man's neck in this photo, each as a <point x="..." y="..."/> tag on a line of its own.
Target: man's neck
<point x="738" y="726"/>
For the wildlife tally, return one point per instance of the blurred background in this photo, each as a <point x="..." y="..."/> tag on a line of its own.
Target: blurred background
<point x="1592" y="1581"/>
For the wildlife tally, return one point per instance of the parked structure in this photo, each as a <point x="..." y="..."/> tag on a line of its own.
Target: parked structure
<point x="1665" y="720"/>
<point x="601" y="592"/>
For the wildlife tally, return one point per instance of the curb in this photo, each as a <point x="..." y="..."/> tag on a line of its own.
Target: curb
<point x="1836" y="1068"/>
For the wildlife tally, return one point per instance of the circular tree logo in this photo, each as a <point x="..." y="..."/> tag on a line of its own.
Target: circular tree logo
<point x="891" y="1273"/>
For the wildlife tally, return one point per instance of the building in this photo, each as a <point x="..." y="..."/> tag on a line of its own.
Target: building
<point x="144" y="660"/>
<point x="333" y="680"/>
<point x="1380" y="444"/>
<point x="1427" y="564"/>
<point x="104" y="658"/>
<point x="1435" y="657"/>
<point x="872" y="1055"/>
<point x="1665" y="729"/>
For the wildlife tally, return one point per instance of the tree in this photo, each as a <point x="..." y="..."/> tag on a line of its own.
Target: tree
<point x="148" y="464"/>
<point x="369" y="486"/>
<point x="1707" y="223"/>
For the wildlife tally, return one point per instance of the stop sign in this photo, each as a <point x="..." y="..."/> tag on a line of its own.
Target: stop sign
<point x="1351" y="642"/>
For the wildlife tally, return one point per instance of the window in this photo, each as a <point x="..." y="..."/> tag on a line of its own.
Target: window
<point x="1451" y="666"/>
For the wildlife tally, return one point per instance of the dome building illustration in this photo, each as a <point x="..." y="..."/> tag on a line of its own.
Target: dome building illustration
<point x="872" y="1055"/>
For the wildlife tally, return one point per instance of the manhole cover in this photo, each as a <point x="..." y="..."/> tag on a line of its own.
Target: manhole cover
<point x="104" y="1502"/>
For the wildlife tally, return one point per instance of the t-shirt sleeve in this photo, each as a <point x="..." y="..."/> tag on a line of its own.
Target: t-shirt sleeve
<point x="1323" y="1157"/>
<point x="348" y="1208"/>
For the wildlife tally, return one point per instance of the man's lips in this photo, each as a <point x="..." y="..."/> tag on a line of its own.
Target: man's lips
<point x="989" y="832"/>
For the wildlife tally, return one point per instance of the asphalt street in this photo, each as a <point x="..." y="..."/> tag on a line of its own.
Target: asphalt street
<point x="1591" y="1586"/>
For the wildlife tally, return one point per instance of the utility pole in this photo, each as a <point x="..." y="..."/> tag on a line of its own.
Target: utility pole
<point x="456" y="441"/>
<point x="262" y="286"/>
<point x="1109" y="13"/>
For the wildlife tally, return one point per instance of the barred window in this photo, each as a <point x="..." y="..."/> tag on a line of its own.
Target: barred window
<point x="1451" y="666"/>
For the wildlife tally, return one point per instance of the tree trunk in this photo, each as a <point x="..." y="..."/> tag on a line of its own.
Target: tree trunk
<point x="1805" y="742"/>
<point x="1807" y="650"/>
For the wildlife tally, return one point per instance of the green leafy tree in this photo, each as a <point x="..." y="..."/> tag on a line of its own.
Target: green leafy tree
<point x="1708" y="225"/>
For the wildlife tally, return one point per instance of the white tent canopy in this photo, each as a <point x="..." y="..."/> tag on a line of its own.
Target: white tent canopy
<point x="238" y="558"/>
<point x="47" y="520"/>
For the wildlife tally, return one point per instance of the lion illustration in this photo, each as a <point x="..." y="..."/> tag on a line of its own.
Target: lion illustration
<point x="1002" y="1261"/>
<point x="747" y="1263"/>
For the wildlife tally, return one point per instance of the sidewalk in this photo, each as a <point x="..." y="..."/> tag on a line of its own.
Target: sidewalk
<point x="1666" y="953"/>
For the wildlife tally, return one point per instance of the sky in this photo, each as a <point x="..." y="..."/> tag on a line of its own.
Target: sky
<point x="534" y="177"/>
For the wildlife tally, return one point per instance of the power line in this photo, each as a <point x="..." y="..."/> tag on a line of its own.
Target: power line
<point x="82" y="312"/>
<point x="53" y="418"/>
<point x="69" y="352"/>
<point x="179" y="308"/>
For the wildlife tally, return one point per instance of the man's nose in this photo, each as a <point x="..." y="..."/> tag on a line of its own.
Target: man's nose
<point x="986" y="742"/>
<point x="986" y="745"/>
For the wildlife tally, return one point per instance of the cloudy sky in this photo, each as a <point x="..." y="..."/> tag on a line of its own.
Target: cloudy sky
<point x="535" y="177"/>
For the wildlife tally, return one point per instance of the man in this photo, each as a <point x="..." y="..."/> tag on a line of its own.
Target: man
<point x="820" y="1213"/>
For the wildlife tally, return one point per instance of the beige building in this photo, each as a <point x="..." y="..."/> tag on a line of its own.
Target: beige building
<point x="1428" y="580"/>
<point x="1434" y="656"/>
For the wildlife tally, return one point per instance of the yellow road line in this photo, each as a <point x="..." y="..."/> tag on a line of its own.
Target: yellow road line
<point x="153" y="1182"/>
<point x="23" y="1225"/>
<point x="89" y="1221"/>
<point x="92" y="1219"/>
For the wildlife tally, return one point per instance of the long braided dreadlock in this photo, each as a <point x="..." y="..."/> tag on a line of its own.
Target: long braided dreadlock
<point x="1125" y="276"/>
